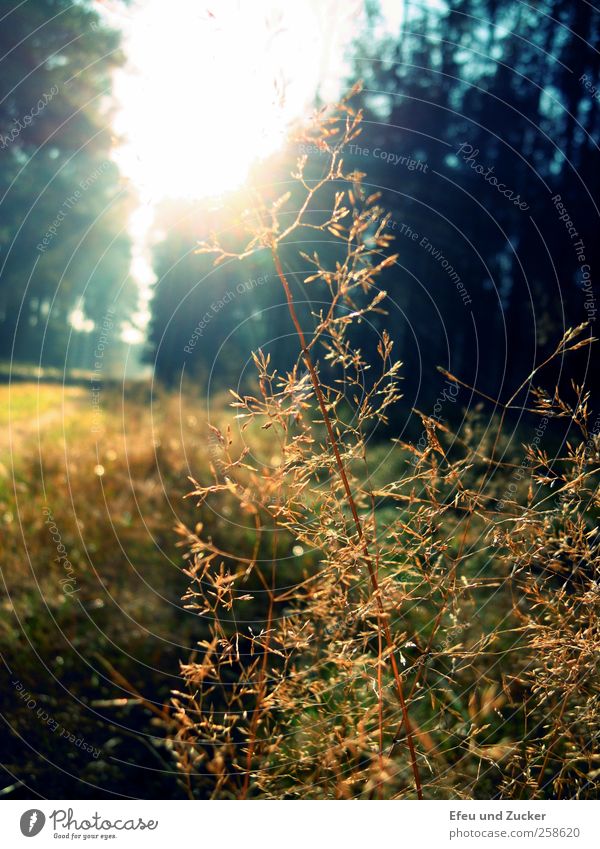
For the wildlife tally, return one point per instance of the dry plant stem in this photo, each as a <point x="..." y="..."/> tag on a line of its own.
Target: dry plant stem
<point x="553" y="741"/>
<point x="456" y="561"/>
<point x="509" y="405"/>
<point x="357" y="523"/>
<point x="379" y="654"/>
<point x="262" y="676"/>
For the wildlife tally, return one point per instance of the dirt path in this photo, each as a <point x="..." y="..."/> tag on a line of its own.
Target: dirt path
<point x="26" y="409"/>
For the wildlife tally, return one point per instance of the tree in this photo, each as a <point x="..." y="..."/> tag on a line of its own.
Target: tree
<point x="507" y="82"/>
<point x="63" y="242"/>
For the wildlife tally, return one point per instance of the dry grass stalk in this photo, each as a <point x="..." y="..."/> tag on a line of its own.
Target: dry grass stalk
<point x="477" y="592"/>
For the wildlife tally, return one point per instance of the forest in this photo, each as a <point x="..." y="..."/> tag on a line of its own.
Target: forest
<point x="300" y="454"/>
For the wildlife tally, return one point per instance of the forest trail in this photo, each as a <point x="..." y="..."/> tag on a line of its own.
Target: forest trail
<point x="28" y="408"/>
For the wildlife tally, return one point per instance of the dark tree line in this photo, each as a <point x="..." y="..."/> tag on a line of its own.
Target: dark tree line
<point x="64" y="247"/>
<point x="493" y="97"/>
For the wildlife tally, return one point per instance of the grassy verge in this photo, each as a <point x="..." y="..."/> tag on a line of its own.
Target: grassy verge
<point x="90" y="587"/>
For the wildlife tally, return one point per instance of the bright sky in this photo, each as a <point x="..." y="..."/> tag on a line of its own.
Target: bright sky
<point x="210" y="87"/>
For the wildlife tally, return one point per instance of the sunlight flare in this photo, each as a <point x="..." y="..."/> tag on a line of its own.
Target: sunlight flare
<point x="207" y="93"/>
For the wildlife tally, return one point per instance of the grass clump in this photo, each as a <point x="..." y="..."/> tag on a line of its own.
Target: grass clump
<point x="425" y="628"/>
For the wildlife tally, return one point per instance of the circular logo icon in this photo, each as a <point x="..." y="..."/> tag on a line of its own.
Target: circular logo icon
<point x="32" y="822"/>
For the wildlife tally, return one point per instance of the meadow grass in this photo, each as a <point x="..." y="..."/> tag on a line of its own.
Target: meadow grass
<point x="444" y="644"/>
<point x="360" y="617"/>
<point x="90" y="584"/>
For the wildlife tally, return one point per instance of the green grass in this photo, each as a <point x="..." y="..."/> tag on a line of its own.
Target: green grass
<point x="82" y="655"/>
<point x="116" y="529"/>
<point x="22" y="403"/>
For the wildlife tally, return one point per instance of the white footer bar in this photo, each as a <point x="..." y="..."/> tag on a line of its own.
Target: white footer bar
<point x="300" y="825"/>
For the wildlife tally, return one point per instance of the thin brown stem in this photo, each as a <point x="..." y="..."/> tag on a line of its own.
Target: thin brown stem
<point x="262" y="675"/>
<point x="356" y="518"/>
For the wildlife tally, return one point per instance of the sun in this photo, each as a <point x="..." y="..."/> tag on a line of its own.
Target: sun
<point x="207" y="92"/>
